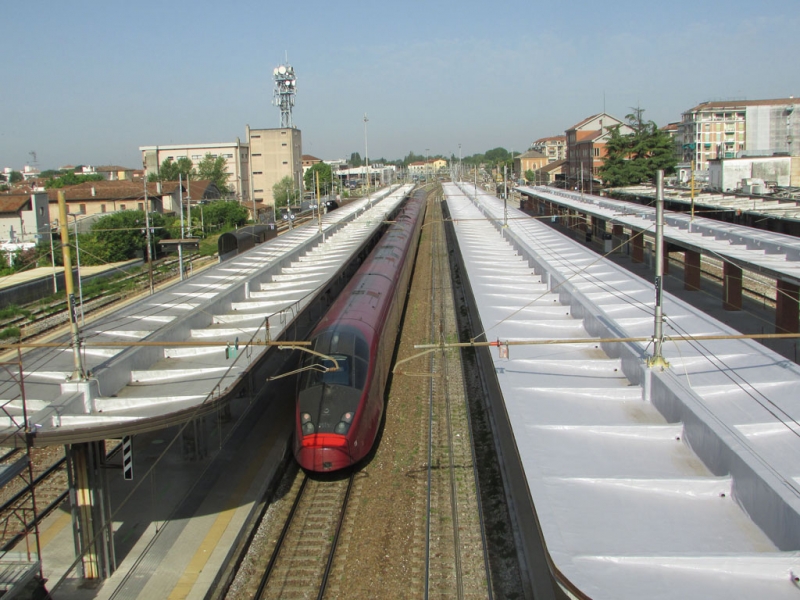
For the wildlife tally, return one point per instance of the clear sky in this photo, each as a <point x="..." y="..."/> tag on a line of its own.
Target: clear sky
<point x="88" y="82"/>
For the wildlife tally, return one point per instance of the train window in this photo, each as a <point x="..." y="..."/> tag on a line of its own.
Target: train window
<point x="340" y="377"/>
<point x="360" y="373"/>
<point x="362" y="350"/>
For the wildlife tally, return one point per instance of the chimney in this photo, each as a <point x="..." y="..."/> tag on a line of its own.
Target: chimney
<point x="158" y="187"/>
<point x="94" y="192"/>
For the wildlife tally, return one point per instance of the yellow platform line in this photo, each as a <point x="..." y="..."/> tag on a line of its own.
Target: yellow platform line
<point x="49" y="534"/>
<point x="203" y="553"/>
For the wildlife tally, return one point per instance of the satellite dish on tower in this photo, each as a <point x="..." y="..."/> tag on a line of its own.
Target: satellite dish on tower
<point x="282" y="70"/>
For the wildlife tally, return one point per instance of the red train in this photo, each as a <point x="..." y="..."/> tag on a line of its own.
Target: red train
<point x="339" y="412"/>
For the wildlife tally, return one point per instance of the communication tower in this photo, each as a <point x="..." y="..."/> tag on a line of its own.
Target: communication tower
<point x="285" y="90"/>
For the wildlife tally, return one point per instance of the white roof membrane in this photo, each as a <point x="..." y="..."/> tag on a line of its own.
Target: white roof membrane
<point x="647" y="483"/>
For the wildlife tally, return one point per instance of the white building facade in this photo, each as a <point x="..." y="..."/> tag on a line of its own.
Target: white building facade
<point x="236" y="155"/>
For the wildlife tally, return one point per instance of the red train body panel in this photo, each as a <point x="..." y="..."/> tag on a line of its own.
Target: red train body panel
<point x="339" y="413"/>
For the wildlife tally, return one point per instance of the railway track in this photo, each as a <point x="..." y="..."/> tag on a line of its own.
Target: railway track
<point x="412" y="526"/>
<point x="456" y="551"/>
<point x="292" y="554"/>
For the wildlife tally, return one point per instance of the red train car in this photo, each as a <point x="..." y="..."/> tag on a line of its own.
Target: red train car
<point x="339" y="412"/>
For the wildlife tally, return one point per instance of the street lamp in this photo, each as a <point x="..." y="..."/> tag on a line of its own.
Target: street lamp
<point x="78" y="258"/>
<point x="366" y="151"/>
<point x="427" y="165"/>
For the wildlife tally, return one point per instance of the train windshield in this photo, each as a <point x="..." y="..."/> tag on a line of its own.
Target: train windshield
<point x="350" y="352"/>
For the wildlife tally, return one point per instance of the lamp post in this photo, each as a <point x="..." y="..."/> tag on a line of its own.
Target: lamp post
<point x="52" y="255"/>
<point x="78" y="258"/>
<point x="366" y="151"/>
<point x="427" y="165"/>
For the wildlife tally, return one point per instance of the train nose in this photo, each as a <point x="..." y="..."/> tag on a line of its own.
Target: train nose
<point x="324" y="452"/>
<point x="324" y="458"/>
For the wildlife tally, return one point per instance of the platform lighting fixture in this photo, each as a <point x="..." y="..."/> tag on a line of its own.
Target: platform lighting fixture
<point x="285" y="91"/>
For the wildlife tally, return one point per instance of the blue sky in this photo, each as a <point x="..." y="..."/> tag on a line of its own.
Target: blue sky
<point x="89" y="82"/>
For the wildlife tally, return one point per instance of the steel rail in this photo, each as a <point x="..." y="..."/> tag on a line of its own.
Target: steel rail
<point x="437" y="258"/>
<point x="329" y="564"/>
<point x="277" y="549"/>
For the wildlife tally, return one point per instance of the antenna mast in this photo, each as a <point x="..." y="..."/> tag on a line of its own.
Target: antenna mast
<point x="285" y="90"/>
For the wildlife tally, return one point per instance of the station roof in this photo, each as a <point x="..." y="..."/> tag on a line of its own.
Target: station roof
<point x="134" y="389"/>
<point x="672" y="483"/>
<point x="772" y="254"/>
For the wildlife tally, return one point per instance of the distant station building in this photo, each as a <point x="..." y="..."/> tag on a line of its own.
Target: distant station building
<point x="586" y="148"/>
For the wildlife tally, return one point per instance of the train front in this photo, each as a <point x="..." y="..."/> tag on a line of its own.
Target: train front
<point x="329" y="403"/>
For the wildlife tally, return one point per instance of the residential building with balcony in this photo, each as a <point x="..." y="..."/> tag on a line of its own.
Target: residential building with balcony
<point x="735" y="128"/>
<point x="553" y="147"/>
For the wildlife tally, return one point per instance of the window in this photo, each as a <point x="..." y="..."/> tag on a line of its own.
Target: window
<point x="141" y="205"/>
<point x="228" y="155"/>
<point x="102" y="208"/>
<point x="283" y="144"/>
<point x="258" y="192"/>
<point x="258" y="172"/>
<point x="256" y="155"/>
<point x="254" y="136"/>
<point x="196" y="157"/>
<point x="122" y="207"/>
<point x="286" y="162"/>
<point x="82" y="209"/>
<point x="283" y="133"/>
<point x="41" y="211"/>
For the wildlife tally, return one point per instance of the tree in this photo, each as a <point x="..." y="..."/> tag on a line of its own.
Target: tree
<point x="15" y="177"/>
<point x="530" y="176"/>
<point x="171" y="170"/>
<point x="70" y="178"/>
<point x="325" y="178"/>
<point x="284" y="192"/>
<point x="223" y="214"/>
<point x="355" y="160"/>
<point x="121" y="235"/>
<point x="215" y="170"/>
<point x="635" y="157"/>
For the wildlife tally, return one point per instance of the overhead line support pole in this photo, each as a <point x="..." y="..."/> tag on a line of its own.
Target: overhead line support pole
<point x="78" y="373"/>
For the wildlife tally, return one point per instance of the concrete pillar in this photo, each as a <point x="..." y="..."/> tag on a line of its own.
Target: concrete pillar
<point x="731" y="286"/>
<point x="691" y="274"/>
<point x="787" y="316"/>
<point x="91" y="509"/>
<point x="637" y="246"/>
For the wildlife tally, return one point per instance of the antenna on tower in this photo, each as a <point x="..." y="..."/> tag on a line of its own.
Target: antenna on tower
<point x="285" y="90"/>
<point x="33" y="158"/>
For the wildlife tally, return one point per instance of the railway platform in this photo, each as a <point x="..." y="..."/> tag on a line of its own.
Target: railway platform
<point x="177" y="522"/>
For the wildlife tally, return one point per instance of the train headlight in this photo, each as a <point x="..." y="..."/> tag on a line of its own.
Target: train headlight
<point x="305" y="424"/>
<point x="343" y="426"/>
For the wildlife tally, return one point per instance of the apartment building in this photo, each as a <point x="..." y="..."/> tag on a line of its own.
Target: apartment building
<point x="274" y="154"/>
<point x="731" y="129"/>
<point x="236" y="154"/>
<point x="553" y="147"/>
